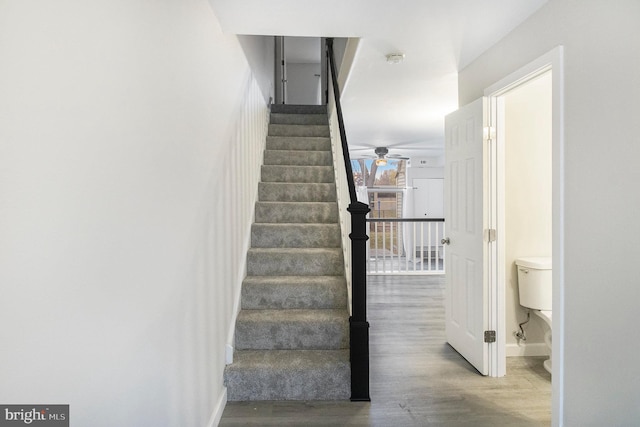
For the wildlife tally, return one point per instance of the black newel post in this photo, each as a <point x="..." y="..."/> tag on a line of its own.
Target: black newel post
<point x="358" y="325"/>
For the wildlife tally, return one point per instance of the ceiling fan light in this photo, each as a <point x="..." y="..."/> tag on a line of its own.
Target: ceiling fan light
<point x="381" y="162"/>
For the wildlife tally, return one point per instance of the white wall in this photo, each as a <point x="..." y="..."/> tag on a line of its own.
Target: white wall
<point x="260" y="52"/>
<point x="527" y="111"/>
<point x="130" y="139"/>
<point x="434" y="172"/>
<point x="600" y="374"/>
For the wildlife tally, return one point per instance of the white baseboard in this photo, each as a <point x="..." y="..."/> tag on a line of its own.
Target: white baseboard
<point x="533" y="349"/>
<point x="216" y="416"/>
<point x="228" y="354"/>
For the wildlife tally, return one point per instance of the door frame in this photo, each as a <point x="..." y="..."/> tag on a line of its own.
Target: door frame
<point x="551" y="61"/>
<point x="280" y="70"/>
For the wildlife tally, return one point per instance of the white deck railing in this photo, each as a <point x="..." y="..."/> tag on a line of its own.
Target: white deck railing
<point x="405" y="246"/>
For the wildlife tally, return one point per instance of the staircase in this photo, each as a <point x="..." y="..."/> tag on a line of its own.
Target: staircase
<point x="292" y="333"/>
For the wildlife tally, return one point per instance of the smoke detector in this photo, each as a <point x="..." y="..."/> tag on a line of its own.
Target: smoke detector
<point x="395" y="58"/>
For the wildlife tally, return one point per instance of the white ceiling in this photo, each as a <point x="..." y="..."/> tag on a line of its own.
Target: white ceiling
<point x="399" y="106"/>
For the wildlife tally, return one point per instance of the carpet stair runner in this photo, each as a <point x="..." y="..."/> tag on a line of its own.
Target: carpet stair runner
<point x="292" y="332"/>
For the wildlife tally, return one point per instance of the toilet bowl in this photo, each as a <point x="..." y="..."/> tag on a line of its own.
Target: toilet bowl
<point x="535" y="288"/>
<point x="545" y="315"/>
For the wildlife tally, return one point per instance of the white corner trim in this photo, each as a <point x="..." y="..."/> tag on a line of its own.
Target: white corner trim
<point x="218" y="409"/>
<point x="346" y="66"/>
<point x="533" y="349"/>
<point x="228" y="354"/>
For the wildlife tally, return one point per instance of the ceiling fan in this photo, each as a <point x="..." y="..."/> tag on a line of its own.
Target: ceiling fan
<point x="382" y="156"/>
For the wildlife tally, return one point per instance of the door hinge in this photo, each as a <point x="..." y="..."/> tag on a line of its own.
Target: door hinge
<point x="490" y="235"/>
<point x="489" y="133"/>
<point x="489" y="336"/>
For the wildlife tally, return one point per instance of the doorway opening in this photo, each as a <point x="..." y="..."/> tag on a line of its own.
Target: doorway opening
<point x="524" y="179"/>
<point x="475" y="209"/>
<point x="545" y="75"/>
<point x="298" y="70"/>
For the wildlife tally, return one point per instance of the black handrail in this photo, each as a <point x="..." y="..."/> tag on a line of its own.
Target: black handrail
<point x="343" y="134"/>
<point x="358" y="325"/>
<point x="405" y="219"/>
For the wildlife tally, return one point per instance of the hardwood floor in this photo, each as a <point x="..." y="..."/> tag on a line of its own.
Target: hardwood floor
<point x="416" y="378"/>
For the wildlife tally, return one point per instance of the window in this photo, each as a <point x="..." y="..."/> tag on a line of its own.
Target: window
<point x="384" y="185"/>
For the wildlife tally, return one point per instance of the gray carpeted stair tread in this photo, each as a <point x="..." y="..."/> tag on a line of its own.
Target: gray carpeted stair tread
<point x="283" y="359"/>
<point x="289" y="375"/>
<point x="288" y="173"/>
<point x="295" y="236"/>
<point x="302" y="329"/>
<point x="296" y="192"/>
<point x="296" y="212"/>
<point x="294" y="143"/>
<point x="297" y="158"/>
<point x="298" y="130"/>
<point x="290" y="292"/>
<point x="295" y="262"/>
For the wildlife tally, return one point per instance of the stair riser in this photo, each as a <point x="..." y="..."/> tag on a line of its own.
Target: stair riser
<point x="274" y="212"/>
<point x="293" y="192"/>
<point x="298" y="119"/>
<point x="289" y="385"/>
<point x="322" y="263"/>
<point x="309" y="174"/>
<point x="296" y="379"/>
<point x="298" y="143"/>
<point x="284" y="293"/>
<point x="298" y="158"/>
<point x="298" y="109"/>
<point x="295" y="236"/>
<point x="298" y="130"/>
<point x="291" y="335"/>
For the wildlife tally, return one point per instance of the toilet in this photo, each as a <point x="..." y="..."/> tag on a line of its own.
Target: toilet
<point x="535" y="286"/>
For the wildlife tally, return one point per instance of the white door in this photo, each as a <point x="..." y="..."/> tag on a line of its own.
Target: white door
<point x="466" y="294"/>
<point x="428" y="199"/>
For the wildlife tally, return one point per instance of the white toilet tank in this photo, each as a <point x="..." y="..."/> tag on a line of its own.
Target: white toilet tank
<point x="535" y="283"/>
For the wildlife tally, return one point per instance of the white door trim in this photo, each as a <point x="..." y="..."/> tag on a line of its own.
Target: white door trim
<point x="553" y="61"/>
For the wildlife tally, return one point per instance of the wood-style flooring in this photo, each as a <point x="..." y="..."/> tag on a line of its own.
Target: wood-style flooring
<point x="416" y="378"/>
